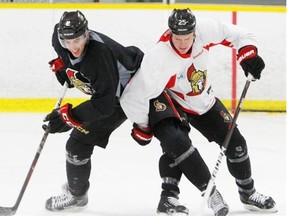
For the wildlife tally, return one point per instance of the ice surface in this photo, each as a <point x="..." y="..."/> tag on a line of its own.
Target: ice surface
<point x="124" y="178"/>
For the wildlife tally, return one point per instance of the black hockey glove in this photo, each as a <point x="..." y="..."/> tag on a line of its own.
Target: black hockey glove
<point x="61" y="120"/>
<point x="250" y="61"/>
<point x="58" y="67"/>
<point x="142" y="136"/>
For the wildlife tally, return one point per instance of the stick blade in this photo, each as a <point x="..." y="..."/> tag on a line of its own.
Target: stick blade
<point x="7" y="211"/>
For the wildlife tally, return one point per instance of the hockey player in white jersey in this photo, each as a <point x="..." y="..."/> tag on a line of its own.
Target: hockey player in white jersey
<point x="172" y="91"/>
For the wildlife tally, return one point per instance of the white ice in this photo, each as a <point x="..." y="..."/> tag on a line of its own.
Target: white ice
<point x="124" y="178"/>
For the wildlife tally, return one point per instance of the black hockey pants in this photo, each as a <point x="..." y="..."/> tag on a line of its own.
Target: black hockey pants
<point x="214" y="126"/>
<point x="180" y="156"/>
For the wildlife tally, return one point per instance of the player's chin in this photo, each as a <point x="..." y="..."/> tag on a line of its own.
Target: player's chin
<point x="76" y="54"/>
<point x="183" y="51"/>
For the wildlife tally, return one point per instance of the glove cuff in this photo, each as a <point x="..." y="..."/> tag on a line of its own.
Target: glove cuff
<point x="246" y="52"/>
<point x="141" y="136"/>
<point x="56" y="64"/>
<point x="65" y="112"/>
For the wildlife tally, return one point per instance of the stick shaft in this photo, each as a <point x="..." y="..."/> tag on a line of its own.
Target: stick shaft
<point x="12" y="210"/>
<point x="225" y="145"/>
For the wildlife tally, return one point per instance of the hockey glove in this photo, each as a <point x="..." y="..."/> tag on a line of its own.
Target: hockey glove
<point x="61" y="120"/>
<point x="250" y="61"/>
<point x="58" y="67"/>
<point x="142" y="136"/>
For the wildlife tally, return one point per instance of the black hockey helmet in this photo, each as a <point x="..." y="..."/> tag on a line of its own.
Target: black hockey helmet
<point x="182" y="21"/>
<point x="72" y="25"/>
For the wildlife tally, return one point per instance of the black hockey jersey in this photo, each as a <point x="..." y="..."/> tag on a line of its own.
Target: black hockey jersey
<point x="102" y="71"/>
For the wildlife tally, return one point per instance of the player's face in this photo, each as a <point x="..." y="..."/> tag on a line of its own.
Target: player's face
<point x="183" y="42"/>
<point x="76" y="46"/>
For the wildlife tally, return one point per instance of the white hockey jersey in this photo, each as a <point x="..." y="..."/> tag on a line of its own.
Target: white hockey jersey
<point x="185" y="77"/>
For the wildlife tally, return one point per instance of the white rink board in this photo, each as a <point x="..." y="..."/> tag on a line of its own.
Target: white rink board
<point x="26" y="48"/>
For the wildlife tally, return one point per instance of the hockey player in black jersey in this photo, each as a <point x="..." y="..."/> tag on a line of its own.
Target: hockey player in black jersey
<point x="97" y="66"/>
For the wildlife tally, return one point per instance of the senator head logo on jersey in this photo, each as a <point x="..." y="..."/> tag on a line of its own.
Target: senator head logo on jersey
<point x="197" y="79"/>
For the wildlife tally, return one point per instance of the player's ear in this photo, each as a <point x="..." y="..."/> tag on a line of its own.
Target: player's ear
<point x="87" y="33"/>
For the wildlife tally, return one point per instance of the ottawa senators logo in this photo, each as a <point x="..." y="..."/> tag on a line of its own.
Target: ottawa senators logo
<point x="197" y="80"/>
<point x="79" y="81"/>
<point x="227" y="117"/>
<point x="159" y="107"/>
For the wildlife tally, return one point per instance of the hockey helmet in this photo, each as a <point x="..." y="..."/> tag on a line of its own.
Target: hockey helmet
<point x="182" y="21"/>
<point x="72" y="25"/>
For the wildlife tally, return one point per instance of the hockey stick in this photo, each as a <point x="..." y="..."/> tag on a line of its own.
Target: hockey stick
<point x="232" y="125"/>
<point x="12" y="210"/>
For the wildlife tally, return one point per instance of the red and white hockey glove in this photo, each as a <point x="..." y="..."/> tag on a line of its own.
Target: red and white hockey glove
<point x="57" y="65"/>
<point x="250" y="61"/>
<point x="142" y="136"/>
<point x="61" y="120"/>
